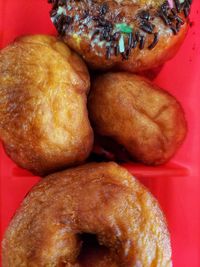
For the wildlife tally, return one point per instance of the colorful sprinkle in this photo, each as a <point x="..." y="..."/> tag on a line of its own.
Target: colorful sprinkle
<point x="124" y="28"/>
<point x="121" y="44"/>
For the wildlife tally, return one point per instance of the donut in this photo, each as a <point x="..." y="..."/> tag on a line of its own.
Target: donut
<point x="146" y="120"/>
<point x="102" y="201"/>
<point x="131" y="35"/>
<point x="44" y="122"/>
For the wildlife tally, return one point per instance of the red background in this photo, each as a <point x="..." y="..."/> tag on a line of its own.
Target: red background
<point x="176" y="185"/>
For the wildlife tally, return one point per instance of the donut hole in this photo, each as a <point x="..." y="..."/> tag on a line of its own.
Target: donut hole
<point x="94" y="254"/>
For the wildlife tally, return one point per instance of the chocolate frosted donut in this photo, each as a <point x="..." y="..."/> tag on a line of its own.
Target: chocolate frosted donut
<point x="100" y="201"/>
<point x="129" y="35"/>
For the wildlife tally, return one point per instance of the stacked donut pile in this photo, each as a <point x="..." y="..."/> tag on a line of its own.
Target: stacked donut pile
<point x="56" y="114"/>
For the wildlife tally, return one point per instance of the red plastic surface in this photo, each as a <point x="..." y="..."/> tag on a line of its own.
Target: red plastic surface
<point x="176" y="185"/>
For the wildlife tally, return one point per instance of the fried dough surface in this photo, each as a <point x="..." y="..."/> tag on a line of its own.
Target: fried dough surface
<point x="43" y="116"/>
<point x="146" y="120"/>
<point x="101" y="199"/>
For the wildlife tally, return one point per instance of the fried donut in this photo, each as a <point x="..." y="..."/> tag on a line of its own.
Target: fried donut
<point x="100" y="200"/>
<point x="132" y="35"/>
<point x="146" y="120"/>
<point x="44" y="122"/>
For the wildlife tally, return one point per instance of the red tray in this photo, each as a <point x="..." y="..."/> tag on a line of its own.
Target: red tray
<point x="177" y="184"/>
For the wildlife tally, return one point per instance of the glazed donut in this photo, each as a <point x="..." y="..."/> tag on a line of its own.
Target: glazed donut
<point x="100" y="200"/>
<point x="132" y="35"/>
<point x="138" y="115"/>
<point x="44" y="122"/>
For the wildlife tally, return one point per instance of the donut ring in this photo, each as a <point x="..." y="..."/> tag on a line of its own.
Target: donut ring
<point x="127" y="35"/>
<point x="101" y="199"/>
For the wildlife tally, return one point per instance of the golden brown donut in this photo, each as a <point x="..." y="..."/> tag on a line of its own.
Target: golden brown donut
<point x="44" y="122"/>
<point x="132" y="35"/>
<point x="102" y="199"/>
<point x="146" y="120"/>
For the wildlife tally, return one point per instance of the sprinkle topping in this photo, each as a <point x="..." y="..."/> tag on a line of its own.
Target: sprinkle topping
<point x="124" y="28"/>
<point x="117" y="36"/>
<point x="121" y="44"/>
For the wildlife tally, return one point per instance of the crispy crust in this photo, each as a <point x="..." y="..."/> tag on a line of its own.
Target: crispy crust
<point x="43" y="116"/>
<point x="146" y="120"/>
<point x="101" y="199"/>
